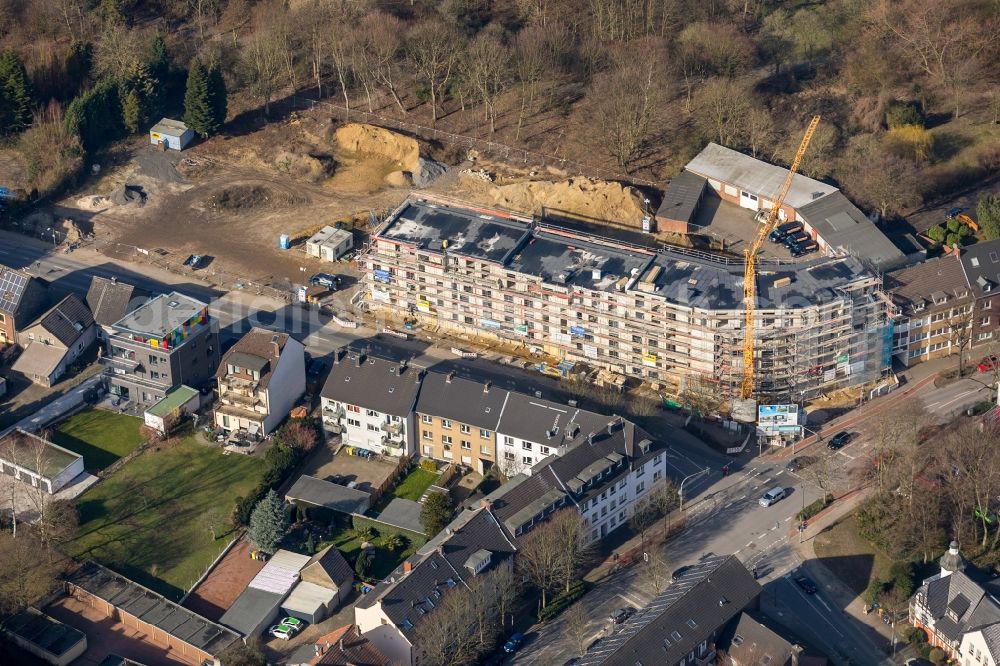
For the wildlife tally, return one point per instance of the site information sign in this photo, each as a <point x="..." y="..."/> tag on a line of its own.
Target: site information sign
<point x="773" y="417"/>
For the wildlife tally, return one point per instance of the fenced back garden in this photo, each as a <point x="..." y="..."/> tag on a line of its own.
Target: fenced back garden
<point x="101" y="437"/>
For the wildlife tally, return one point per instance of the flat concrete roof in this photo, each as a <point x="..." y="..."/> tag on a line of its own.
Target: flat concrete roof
<point x="161" y="315"/>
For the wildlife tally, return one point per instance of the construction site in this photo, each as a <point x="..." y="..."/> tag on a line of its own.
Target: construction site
<point x="759" y="327"/>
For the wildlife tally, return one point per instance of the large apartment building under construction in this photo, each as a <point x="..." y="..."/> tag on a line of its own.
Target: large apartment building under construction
<point x="669" y="316"/>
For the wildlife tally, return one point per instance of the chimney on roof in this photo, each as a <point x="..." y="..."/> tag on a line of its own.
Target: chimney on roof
<point x="275" y="341"/>
<point x="318" y="649"/>
<point x="407" y="566"/>
<point x="336" y="357"/>
<point x="114" y="279"/>
<point x="340" y="644"/>
<point x="486" y="387"/>
<point x="449" y="377"/>
<point x="358" y="360"/>
<point x="611" y="427"/>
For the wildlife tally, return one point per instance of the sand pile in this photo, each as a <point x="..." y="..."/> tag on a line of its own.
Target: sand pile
<point x="583" y="197"/>
<point x="371" y="140"/>
<point x="403" y="151"/>
<point x="93" y="202"/>
<point x="305" y="165"/>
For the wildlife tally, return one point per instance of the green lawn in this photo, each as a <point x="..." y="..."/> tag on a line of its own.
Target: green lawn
<point x="850" y="557"/>
<point x="100" y="437"/>
<point x="415" y="484"/>
<point x="385" y="560"/>
<point x="150" y="520"/>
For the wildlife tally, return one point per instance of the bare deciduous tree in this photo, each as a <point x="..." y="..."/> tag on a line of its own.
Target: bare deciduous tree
<point x="262" y="64"/>
<point x="880" y="180"/>
<point x="24" y="576"/>
<point x="576" y="625"/>
<point x="486" y="69"/>
<point x="379" y="56"/>
<point x="433" y="50"/>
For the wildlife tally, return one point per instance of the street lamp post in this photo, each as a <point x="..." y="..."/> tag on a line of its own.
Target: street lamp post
<point x="680" y="491"/>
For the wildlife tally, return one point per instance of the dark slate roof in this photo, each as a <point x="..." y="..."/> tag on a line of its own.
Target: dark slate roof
<point x="461" y="400"/>
<point x="331" y="563"/>
<point x="43" y="631"/>
<point x="680" y="201"/>
<point x="258" y="350"/>
<point x="572" y="477"/>
<point x="676" y="621"/>
<point x="389" y="387"/>
<point x="981" y="262"/>
<point x="110" y="299"/>
<point x="439" y="566"/>
<point x="68" y="320"/>
<point x="333" y="496"/>
<point x="958" y="604"/>
<point x="153" y="609"/>
<point x="915" y="285"/>
<point x="118" y="660"/>
<point x="847" y="229"/>
<point x="14" y="285"/>
<point x="550" y="423"/>
<point x="752" y="639"/>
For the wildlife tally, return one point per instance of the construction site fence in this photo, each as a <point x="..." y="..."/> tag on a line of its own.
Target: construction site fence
<point x="495" y="149"/>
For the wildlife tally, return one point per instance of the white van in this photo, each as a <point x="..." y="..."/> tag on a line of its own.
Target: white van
<point x="771" y="496"/>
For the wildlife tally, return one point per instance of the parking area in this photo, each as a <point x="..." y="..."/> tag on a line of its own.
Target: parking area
<point x="370" y="474"/>
<point x="224" y="583"/>
<point x="107" y="636"/>
<point x="733" y="225"/>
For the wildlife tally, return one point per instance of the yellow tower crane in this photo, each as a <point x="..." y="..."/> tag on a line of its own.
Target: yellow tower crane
<point x="750" y="270"/>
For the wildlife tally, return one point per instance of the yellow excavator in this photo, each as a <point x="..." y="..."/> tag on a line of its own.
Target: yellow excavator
<point x="750" y="280"/>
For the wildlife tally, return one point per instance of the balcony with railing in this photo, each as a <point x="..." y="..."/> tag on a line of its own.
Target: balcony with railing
<point x="393" y="428"/>
<point x="119" y="364"/>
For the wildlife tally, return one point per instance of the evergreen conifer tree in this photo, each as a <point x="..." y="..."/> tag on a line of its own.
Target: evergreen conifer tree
<point x="15" y="94"/>
<point x="220" y="100"/>
<point x="198" y="111"/>
<point x="268" y="522"/>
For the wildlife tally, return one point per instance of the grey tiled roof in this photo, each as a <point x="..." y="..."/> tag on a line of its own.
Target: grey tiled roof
<point x="534" y="419"/>
<point x="915" y="284"/>
<point x="461" y="400"/>
<point x="439" y="566"/>
<point x="259" y="350"/>
<point x="676" y="621"/>
<point x="330" y="495"/>
<point x="389" y="387"/>
<point x="981" y="262"/>
<point x="958" y="604"/>
<point x="680" y="201"/>
<point x="109" y="299"/>
<point x="844" y="227"/>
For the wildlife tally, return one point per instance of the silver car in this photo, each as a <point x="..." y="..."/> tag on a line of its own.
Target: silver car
<point x="771" y="496"/>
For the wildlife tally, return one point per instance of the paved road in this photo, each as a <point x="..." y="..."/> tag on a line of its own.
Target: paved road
<point x="949" y="401"/>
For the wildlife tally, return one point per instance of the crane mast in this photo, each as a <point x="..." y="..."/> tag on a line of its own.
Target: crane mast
<point x="750" y="269"/>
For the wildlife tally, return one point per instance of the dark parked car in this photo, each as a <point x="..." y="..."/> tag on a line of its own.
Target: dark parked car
<point x="839" y="440"/>
<point x="325" y="280"/>
<point x="806" y="584"/>
<point x="515" y="641"/>
<point x="796" y="239"/>
<point x="955" y="212"/>
<point x="679" y="572"/>
<point x="793" y="465"/>
<point x="194" y="261"/>
<point x="800" y="249"/>
<point x="622" y="614"/>
<point x="783" y="230"/>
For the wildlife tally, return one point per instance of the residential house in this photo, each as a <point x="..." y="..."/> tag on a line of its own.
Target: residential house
<point x="55" y="341"/>
<point x="110" y="299"/>
<point x="369" y="401"/>
<point x="341" y="647"/>
<point x="458" y="419"/>
<point x="390" y="616"/>
<point x="531" y="429"/>
<point x="328" y="569"/>
<point x="22" y="299"/>
<point x="959" y="615"/>
<point x="753" y="640"/>
<point x="183" y="632"/>
<point x="935" y="309"/>
<point x="260" y="379"/>
<point x="981" y="262"/>
<point x="681" y="625"/>
<point x="168" y="341"/>
<point x="603" y="477"/>
<point x="38" y="462"/>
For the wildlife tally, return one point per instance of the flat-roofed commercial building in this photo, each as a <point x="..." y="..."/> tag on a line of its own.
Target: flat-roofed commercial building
<point x="666" y="315"/>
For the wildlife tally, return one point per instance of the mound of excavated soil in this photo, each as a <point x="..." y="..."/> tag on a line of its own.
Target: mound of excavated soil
<point x="372" y="140"/>
<point x="305" y="165"/>
<point x="580" y="197"/>
<point x="399" y="179"/>
<point x="242" y="197"/>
